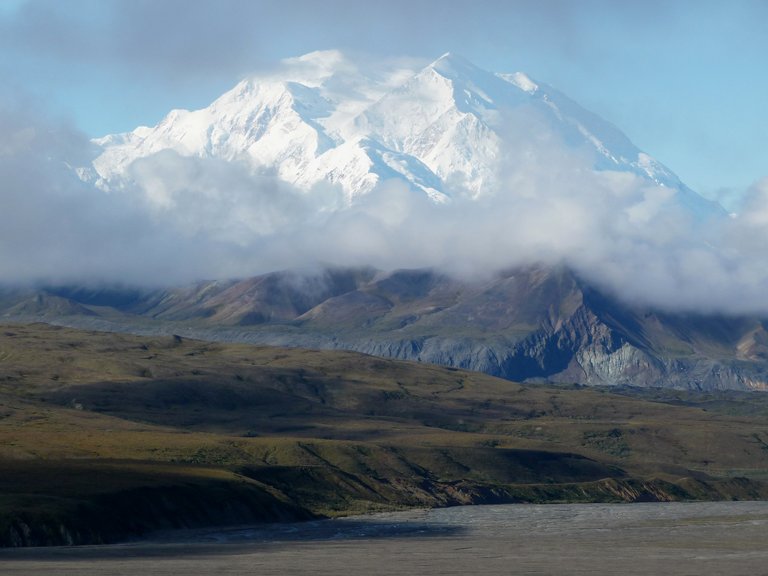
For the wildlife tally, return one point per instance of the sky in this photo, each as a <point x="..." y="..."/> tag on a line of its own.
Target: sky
<point x="683" y="79"/>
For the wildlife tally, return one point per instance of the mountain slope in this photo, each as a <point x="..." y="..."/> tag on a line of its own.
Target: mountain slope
<point x="446" y="129"/>
<point x="536" y="324"/>
<point x="543" y="324"/>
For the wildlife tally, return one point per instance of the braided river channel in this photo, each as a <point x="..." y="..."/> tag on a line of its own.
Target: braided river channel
<point x="724" y="538"/>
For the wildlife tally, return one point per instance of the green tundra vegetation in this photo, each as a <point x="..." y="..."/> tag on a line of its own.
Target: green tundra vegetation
<point x="105" y="437"/>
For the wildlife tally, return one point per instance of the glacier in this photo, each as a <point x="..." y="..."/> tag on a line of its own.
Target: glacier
<point x="442" y="130"/>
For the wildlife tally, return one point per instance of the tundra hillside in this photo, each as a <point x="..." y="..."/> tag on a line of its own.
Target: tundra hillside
<point x="105" y="437"/>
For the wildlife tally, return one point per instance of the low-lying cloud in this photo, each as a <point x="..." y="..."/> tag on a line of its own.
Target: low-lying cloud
<point x="185" y="219"/>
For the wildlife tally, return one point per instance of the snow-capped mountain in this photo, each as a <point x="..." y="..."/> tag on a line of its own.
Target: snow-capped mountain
<point x="443" y="130"/>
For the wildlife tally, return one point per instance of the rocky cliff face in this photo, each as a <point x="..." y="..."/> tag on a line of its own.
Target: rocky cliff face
<point x="583" y="351"/>
<point x="536" y="324"/>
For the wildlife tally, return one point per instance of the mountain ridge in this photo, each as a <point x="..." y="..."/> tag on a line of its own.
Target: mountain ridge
<point x="528" y="324"/>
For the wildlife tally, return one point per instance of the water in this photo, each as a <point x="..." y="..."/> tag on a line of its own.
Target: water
<point x="724" y="538"/>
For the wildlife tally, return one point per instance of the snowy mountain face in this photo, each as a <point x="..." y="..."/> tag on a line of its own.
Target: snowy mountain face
<point x="442" y="130"/>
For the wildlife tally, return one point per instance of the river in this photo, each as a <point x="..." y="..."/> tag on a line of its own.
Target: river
<point x="723" y="538"/>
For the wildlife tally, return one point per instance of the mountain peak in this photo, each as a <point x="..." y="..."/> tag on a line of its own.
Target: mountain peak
<point x="445" y="124"/>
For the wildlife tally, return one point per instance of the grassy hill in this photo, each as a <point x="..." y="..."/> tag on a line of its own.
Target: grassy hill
<point x="107" y="436"/>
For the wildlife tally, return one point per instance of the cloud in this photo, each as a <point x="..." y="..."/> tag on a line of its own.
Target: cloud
<point x="184" y="218"/>
<point x="56" y="228"/>
<point x="615" y="229"/>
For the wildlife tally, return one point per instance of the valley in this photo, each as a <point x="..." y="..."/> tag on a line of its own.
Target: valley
<point x="399" y="287"/>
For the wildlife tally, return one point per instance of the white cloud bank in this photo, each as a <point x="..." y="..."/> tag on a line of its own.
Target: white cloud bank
<point x="190" y="218"/>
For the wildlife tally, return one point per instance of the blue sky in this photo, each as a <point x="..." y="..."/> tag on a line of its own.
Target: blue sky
<point x="686" y="80"/>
